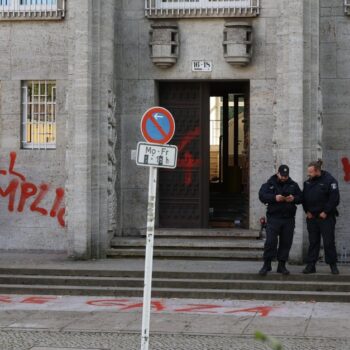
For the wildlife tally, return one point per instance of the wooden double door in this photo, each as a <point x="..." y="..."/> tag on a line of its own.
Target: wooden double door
<point x="184" y="193"/>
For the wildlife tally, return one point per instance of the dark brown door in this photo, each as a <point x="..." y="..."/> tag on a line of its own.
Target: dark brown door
<point x="184" y="192"/>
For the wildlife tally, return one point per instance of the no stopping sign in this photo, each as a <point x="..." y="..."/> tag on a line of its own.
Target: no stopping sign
<point x="158" y="125"/>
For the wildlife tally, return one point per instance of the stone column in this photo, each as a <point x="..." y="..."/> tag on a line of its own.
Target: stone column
<point x="288" y="135"/>
<point x="91" y="27"/>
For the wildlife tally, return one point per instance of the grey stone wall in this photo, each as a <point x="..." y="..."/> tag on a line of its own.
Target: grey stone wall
<point x="31" y="51"/>
<point x="100" y="57"/>
<point x="335" y="84"/>
<point x="199" y="39"/>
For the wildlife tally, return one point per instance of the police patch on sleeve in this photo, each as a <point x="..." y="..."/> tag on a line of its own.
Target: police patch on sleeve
<point x="334" y="186"/>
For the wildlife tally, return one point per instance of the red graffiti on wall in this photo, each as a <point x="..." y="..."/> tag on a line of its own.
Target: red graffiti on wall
<point x="186" y="160"/>
<point x="346" y="167"/>
<point x="28" y="191"/>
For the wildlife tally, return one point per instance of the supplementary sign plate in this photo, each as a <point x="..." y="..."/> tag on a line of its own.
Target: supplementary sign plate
<point x="160" y="156"/>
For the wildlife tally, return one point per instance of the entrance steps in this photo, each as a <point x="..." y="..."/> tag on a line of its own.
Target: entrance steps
<point x="234" y="244"/>
<point x="175" y="284"/>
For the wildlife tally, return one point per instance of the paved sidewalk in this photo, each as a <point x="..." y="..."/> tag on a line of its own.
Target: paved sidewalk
<point x="50" y="323"/>
<point x="104" y="323"/>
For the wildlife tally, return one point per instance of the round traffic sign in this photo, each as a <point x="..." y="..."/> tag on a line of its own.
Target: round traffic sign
<point x="157" y="125"/>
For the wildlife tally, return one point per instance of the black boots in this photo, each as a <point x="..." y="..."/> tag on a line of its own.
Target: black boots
<point x="266" y="268"/>
<point x="334" y="269"/>
<point x="282" y="268"/>
<point x="310" y="268"/>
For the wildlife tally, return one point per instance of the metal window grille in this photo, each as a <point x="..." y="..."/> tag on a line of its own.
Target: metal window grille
<point x="347" y="7"/>
<point x="32" y="9"/>
<point x="39" y="115"/>
<point x="202" y="8"/>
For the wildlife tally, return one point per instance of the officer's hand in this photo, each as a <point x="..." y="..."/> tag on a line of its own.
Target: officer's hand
<point x="290" y="198"/>
<point x="323" y="215"/>
<point x="280" y="198"/>
<point x="309" y="215"/>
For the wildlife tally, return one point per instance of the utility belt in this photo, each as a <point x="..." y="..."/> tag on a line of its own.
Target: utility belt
<point x="280" y="216"/>
<point x="317" y="214"/>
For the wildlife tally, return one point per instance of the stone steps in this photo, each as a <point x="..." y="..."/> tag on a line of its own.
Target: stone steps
<point x="137" y="282"/>
<point x="216" y="254"/>
<point x="175" y="284"/>
<point x="189" y="275"/>
<point x="208" y="233"/>
<point x="238" y="244"/>
<point x="227" y="243"/>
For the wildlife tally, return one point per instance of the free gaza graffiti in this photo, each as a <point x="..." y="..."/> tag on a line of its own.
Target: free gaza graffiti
<point x="30" y="194"/>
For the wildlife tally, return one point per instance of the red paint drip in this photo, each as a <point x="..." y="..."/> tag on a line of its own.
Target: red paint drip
<point x="346" y="167"/>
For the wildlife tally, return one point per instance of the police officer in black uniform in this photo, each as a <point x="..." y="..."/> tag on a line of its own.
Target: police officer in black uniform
<point x="281" y="194"/>
<point x="320" y="201"/>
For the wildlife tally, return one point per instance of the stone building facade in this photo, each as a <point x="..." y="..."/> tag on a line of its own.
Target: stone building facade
<point x="76" y="77"/>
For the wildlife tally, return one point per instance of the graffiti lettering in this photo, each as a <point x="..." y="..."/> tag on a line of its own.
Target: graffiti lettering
<point x="108" y="302"/>
<point x="186" y="160"/>
<point x="44" y="188"/>
<point x="13" y="157"/>
<point x="199" y="308"/>
<point x="161" y="306"/>
<point x="346" y="167"/>
<point x="5" y="300"/>
<point x="135" y="305"/>
<point x="263" y="311"/>
<point x="30" y="192"/>
<point x="11" y="192"/>
<point x="37" y="300"/>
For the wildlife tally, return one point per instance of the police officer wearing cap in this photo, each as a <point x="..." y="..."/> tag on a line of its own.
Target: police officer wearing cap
<point x="281" y="194"/>
<point x="320" y="201"/>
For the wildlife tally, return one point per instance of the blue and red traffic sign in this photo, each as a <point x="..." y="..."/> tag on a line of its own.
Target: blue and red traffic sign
<point x="158" y="125"/>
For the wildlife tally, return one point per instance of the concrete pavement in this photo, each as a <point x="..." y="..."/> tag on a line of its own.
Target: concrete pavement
<point x="39" y="322"/>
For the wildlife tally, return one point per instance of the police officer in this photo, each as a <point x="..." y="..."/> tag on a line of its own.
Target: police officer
<point x="281" y="194"/>
<point x="320" y="201"/>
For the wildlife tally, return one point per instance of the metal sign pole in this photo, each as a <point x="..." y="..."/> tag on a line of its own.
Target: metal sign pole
<point x="146" y="312"/>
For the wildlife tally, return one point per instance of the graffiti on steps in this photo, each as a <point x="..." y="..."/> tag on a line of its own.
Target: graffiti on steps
<point x="129" y="305"/>
<point x="123" y="305"/>
<point x="30" y="194"/>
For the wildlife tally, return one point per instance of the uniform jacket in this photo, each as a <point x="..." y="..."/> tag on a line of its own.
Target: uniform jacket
<point x="273" y="187"/>
<point x="321" y="194"/>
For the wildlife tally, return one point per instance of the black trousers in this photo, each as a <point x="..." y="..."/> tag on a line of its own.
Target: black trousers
<point x="318" y="227"/>
<point x="279" y="238"/>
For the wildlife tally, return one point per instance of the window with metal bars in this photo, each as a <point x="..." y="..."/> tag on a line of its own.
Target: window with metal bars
<point x="202" y="8"/>
<point x="39" y="114"/>
<point x="25" y="9"/>
<point x="28" y="2"/>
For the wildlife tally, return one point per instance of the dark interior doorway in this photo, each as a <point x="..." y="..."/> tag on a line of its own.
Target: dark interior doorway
<point x="229" y="155"/>
<point x="209" y="187"/>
